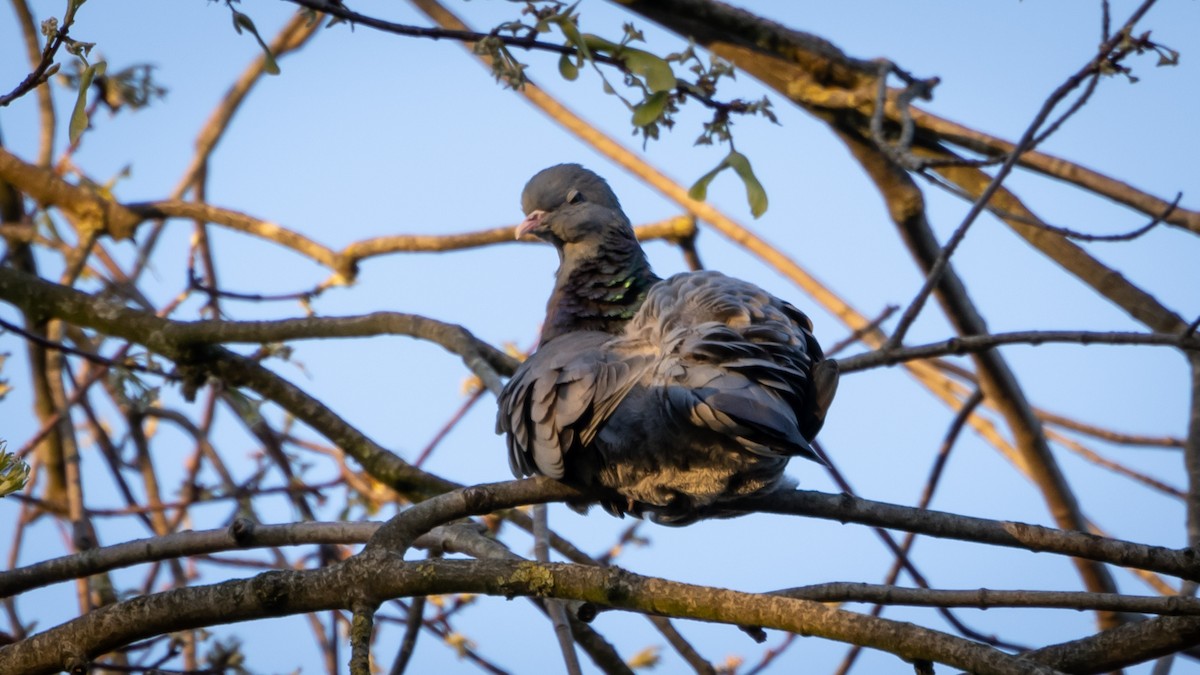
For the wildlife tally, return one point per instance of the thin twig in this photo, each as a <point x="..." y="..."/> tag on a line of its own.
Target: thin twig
<point x="42" y="70"/>
<point x="901" y="555"/>
<point x="939" y="265"/>
<point x="120" y="364"/>
<point x="931" y="485"/>
<point x="412" y="629"/>
<point x="977" y="343"/>
<point x="1057" y="229"/>
<point x="555" y="608"/>
<point x="857" y="334"/>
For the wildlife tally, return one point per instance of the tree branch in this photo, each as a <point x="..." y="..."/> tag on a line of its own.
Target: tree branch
<point x="280" y="593"/>
<point x="972" y="344"/>
<point x="1183" y="563"/>
<point x="987" y="598"/>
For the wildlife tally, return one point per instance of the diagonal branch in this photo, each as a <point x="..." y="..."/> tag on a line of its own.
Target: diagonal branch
<point x="1181" y="563"/>
<point x="1140" y="305"/>
<point x="198" y="362"/>
<point x="996" y="379"/>
<point x="939" y="264"/>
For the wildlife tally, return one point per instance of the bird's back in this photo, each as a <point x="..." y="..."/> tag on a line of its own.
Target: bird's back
<point x="704" y="397"/>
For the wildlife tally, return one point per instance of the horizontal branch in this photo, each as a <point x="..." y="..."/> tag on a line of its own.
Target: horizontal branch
<point x="1183" y="563"/>
<point x="958" y="346"/>
<point x="400" y="531"/>
<point x="93" y="211"/>
<point x="675" y="229"/>
<point x="242" y="534"/>
<point x="241" y="222"/>
<point x="662" y="597"/>
<point x="121" y="221"/>
<point x="280" y="593"/>
<point x="986" y="598"/>
<point x="337" y="9"/>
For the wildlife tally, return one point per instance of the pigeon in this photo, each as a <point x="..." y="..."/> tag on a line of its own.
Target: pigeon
<point x="657" y="398"/>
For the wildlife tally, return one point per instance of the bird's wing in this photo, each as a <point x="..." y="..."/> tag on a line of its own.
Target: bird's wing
<point x="737" y="361"/>
<point x="559" y="398"/>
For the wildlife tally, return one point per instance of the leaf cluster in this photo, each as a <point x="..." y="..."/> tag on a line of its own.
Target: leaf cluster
<point x="14" y="473"/>
<point x="1130" y="44"/>
<point x="652" y="91"/>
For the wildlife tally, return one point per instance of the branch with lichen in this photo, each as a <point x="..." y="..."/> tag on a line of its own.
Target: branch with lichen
<point x="374" y="575"/>
<point x="278" y="593"/>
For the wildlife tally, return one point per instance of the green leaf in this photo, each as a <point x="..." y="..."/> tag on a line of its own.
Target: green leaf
<point x="14" y="473"/>
<point x="655" y="70"/>
<point x="699" y="191"/>
<point x="599" y="44"/>
<point x="79" y="117"/>
<point x="4" y="388"/>
<point x="571" y="32"/>
<point x="567" y="68"/>
<point x="649" y="110"/>
<point x="240" y="22"/>
<point x="755" y="194"/>
<point x="270" y="67"/>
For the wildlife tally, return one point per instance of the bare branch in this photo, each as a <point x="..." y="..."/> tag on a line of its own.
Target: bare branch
<point x="844" y="508"/>
<point x="1026" y="141"/>
<point x="288" y="592"/>
<point x="972" y="344"/>
<point x="988" y="598"/>
<point x="46" y="115"/>
<point x="42" y="67"/>
<point x="1140" y="641"/>
<point x="240" y="535"/>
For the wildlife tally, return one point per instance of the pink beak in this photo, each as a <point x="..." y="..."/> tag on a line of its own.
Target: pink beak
<point x="530" y="223"/>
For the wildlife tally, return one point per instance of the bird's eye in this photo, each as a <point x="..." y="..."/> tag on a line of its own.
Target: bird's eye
<point x="574" y="197"/>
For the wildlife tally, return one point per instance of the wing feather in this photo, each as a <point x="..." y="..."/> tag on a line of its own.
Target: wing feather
<point x="729" y="380"/>
<point x="558" y="400"/>
<point x="737" y="361"/>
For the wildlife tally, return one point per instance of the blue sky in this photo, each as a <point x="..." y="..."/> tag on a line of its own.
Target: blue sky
<point x="367" y="135"/>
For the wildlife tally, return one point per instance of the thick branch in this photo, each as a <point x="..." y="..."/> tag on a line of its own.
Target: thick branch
<point x="1122" y="646"/>
<point x="47" y="187"/>
<point x="823" y="78"/>
<point x="380" y="577"/>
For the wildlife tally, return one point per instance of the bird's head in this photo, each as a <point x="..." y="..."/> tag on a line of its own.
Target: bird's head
<point x="567" y="204"/>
